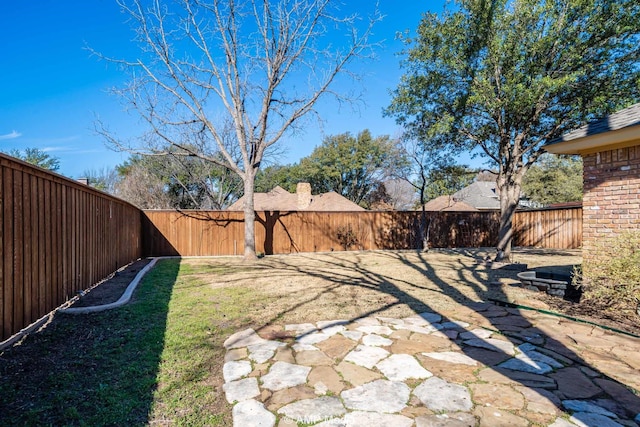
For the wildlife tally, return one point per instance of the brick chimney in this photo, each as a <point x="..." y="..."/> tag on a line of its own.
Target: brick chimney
<point x="303" y="190"/>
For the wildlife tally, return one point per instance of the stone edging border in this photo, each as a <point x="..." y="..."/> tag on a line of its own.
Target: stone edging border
<point x="125" y="298"/>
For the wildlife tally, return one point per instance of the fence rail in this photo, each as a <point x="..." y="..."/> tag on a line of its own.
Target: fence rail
<point x="194" y="233"/>
<point x="58" y="237"/>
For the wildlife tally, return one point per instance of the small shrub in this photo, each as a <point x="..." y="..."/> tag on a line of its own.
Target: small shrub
<point x="346" y="236"/>
<point x="611" y="277"/>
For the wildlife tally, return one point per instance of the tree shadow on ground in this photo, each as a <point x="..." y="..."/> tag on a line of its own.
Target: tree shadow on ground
<point x="584" y="368"/>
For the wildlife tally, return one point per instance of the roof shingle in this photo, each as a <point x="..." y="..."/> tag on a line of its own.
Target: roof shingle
<point x="627" y="117"/>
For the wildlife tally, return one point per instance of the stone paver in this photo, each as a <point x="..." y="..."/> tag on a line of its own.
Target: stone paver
<point x="461" y="419"/>
<point x="251" y="413"/>
<point x="586" y="406"/>
<point x="283" y="375"/>
<point x="352" y="335"/>
<point x="313" y="410"/>
<point x="440" y="395"/>
<point x="524" y="363"/>
<point x="366" y="356"/>
<point x="263" y="351"/>
<point x="620" y="394"/>
<point x="313" y="358"/>
<point x="452" y="357"/>
<point x="589" y="419"/>
<point x="235" y="354"/>
<point x="476" y="333"/>
<point x="244" y="389"/>
<point x="573" y="384"/>
<point x="492" y="417"/>
<point x="378" y="396"/>
<point x="357" y="375"/>
<point x="401" y="367"/>
<point x="368" y="419"/>
<point x="479" y="365"/>
<point x="452" y="372"/>
<point x="285" y="396"/>
<point x="506" y="376"/>
<point x="338" y="345"/>
<point x="324" y="379"/>
<point x="497" y="396"/>
<point x="373" y="329"/>
<point x="376" y="340"/>
<point x="492" y="344"/>
<point x="539" y="400"/>
<point x="236" y="369"/>
<point x="312" y="338"/>
<point x="561" y="422"/>
<point x="532" y="352"/>
<point x="243" y="339"/>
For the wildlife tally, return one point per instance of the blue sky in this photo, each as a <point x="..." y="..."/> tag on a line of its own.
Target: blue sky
<point x="52" y="88"/>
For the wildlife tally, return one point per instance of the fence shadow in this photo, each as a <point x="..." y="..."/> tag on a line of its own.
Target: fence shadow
<point x="91" y="369"/>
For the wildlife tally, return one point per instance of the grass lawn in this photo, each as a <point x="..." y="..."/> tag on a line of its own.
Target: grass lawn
<point x="158" y="360"/>
<point x="154" y="360"/>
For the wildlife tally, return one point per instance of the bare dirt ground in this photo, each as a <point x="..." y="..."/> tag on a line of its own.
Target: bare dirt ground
<point x="110" y="289"/>
<point x="389" y="283"/>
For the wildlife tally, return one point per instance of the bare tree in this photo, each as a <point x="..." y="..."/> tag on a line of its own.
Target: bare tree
<point x="258" y="65"/>
<point x="104" y="179"/>
<point x="143" y="189"/>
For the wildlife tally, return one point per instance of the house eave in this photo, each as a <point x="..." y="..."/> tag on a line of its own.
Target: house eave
<point x="620" y="138"/>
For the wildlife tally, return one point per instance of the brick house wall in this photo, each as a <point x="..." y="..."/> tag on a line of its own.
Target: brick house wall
<point x="611" y="201"/>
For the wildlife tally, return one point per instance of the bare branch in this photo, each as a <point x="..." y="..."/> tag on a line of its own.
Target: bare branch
<point x="207" y="63"/>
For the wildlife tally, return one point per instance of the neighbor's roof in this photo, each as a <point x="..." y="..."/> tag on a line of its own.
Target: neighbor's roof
<point x="280" y="199"/>
<point x="276" y="199"/>
<point x="481" y="195"/>
<point x="332" y="201"/>
<point x="448" y="204"/>
<point x="617" y="130"/>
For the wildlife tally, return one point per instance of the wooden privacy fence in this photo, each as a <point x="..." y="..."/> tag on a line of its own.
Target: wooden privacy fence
<point x="548" y="228"/>
<point x="201" y="233"/>
<point x="58" y="237"/>
<point x="194" y="233"/>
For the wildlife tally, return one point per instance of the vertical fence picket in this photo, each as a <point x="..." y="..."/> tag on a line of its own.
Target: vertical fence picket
<point x="55" y="241"/>
<point x="7" y="235"/>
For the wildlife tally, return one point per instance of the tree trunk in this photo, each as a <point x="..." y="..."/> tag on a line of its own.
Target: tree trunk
<point x="249" y="219"/>
<point x="509" y="197"/>
<point x="424" y="230"/>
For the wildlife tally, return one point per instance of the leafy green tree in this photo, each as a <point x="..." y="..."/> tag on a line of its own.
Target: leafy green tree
<point x="448" y="179"/>
<point x="352" y="165"/>
<point x="554" y="179"/>
<point x="506" y="76"/>
<point x="37" y="157"/>
<point x="285" y="176"/>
